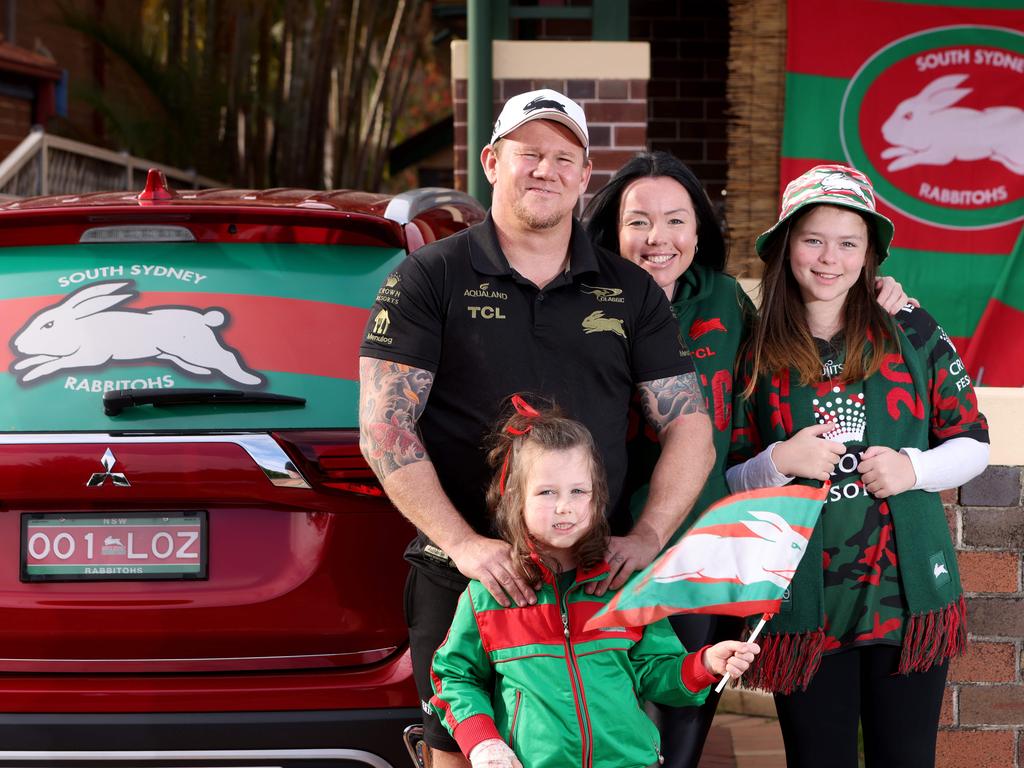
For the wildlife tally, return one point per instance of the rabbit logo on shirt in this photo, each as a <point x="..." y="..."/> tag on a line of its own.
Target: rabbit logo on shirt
<point x="927" y="129"/>
<point x="85" y="331"/>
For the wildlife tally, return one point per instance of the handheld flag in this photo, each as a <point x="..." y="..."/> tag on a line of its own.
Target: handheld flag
<point x="736" y="560"/>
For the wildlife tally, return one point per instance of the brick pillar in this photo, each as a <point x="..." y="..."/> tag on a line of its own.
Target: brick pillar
<point x="609" y="80"/>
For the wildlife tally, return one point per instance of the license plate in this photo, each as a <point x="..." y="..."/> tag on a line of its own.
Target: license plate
<point x="86" y="546"/>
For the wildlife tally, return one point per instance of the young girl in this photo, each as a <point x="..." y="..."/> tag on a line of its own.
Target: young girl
<point x="527" y="686"/>
<point x="836" y="389"/>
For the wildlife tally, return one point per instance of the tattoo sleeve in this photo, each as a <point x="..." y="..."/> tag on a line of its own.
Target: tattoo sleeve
<point x="392" y="397"/>
<point x="665" y="399"/>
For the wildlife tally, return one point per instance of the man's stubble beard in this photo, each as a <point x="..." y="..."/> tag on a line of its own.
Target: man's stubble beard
<point x="535" y="221"/>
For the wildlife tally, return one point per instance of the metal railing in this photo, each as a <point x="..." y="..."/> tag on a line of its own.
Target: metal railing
<point x="44" y="164"/>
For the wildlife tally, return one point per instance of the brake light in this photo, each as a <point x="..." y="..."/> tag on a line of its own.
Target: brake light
<point x="135" y="233"/>
<point x="331" y="459"/>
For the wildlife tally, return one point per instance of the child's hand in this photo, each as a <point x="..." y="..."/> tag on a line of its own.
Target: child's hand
<point x="730" y="656"/>
<point x="886" y="472"/>
<point x="493" y="753"/>
<point x="808" y="454"/>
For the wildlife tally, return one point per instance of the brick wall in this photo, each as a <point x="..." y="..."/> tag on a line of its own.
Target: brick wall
<point x="84" y="59"/>
<point x="686" y="100"/>
<point x="982" y="723"/>
<point x="15" y="122"/>
<point x="616" y="119"/>
<point x="686" y="95"/>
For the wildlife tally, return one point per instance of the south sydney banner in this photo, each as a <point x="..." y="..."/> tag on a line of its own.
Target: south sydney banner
<point x="927" y="99"/>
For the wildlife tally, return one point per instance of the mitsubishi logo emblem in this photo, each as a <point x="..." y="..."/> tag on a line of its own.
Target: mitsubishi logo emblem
<point x="99" y="478"/>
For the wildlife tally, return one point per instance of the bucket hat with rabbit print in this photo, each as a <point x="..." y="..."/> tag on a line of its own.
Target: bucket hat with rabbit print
<point x="837" y="185"/>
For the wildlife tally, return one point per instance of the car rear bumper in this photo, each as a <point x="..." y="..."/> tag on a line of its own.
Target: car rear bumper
<point x="327" y="739"/>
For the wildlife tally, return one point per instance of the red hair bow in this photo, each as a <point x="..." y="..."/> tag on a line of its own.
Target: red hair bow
<point x="523" y="408"/>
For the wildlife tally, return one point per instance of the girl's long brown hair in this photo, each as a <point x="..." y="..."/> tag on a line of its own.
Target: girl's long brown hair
<point x="782" y="339"/>
<point x="548" y="430"/>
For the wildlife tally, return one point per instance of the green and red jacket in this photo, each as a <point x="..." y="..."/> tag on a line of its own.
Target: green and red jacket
<point x="557" y="695"/>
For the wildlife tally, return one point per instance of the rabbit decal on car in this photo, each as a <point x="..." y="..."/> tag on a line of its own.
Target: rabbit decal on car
<point x="83" y="331"/>
<point x="927" y="129"/>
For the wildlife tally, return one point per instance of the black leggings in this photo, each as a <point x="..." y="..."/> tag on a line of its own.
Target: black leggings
<point x="684" y="729"/>
<point x="899" y="713"/>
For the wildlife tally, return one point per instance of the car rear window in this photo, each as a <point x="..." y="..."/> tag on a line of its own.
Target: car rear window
<point x="80" y="320"/>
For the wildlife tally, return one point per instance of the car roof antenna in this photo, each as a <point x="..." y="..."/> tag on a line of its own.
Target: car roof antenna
<point x="156" y="187"/>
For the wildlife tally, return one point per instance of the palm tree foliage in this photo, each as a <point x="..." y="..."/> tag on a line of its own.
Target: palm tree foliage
<point x="263" y="93"/>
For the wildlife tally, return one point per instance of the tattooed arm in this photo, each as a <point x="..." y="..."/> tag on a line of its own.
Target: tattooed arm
<point x="674" y="407"/>
<point x="392" y="397"/>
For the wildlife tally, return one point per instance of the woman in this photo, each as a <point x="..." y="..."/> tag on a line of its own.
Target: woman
<point x="655" y="213"/>
<point x="839" y="390"/>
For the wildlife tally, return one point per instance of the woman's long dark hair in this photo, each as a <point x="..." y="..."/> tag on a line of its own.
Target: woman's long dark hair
<point x="781" y="338"/>
<point x="601" y="217"/>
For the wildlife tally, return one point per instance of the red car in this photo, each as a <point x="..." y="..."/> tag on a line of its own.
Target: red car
<point x="200" y="567"/>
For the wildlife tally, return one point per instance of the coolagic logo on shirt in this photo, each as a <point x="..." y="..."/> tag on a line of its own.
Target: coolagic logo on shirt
<point x="936" y="120"/>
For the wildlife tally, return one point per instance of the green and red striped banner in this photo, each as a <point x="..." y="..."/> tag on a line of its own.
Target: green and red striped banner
<point x="927" y="99"/>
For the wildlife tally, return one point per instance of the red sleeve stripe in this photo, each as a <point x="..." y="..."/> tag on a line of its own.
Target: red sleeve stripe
<point x="694" y="675"/>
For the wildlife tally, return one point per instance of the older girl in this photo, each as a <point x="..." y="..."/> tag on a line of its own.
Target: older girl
<point x="835" y="389"/>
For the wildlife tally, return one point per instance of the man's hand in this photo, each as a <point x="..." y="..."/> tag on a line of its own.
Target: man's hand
<point x="391" y="399"/>
<point x="806" y="454"/>
<point x="489" y="561"/>
<point x="891" y="296"/>
<point x="626" y="555"/>
<point x="730" y="657"/>
<point x="493" y="753"/>
<point x="886" y="472"/>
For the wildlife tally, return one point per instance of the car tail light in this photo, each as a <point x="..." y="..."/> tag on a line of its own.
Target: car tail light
<point x="331" y="459"/>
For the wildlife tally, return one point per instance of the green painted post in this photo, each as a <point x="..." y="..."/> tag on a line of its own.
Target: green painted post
<point x="611" y="19"/>
<point x="479" y="98"/>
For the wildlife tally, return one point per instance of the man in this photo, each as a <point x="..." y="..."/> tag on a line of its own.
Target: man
<point x="519" y="303"/>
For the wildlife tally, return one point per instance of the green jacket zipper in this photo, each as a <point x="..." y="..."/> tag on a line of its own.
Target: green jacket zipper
<point x="583" y="716"/>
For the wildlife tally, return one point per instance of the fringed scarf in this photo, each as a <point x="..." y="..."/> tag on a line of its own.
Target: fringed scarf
<point x="899" y="409"/>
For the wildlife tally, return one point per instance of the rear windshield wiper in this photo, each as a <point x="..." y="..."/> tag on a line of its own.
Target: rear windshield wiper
<point x="117" y="400"/>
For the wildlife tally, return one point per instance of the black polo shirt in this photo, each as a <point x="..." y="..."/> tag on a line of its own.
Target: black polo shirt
<point x="456" y="308"/>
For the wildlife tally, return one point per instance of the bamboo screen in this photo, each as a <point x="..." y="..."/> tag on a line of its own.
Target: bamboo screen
<point x="756" y="94"/>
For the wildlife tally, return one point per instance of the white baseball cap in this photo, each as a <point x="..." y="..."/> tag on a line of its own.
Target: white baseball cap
<point x="544" y="104"/>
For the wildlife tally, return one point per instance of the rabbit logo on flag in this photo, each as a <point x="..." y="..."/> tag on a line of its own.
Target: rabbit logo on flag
<point x="737" y="559"/>
<point x="935" y="119"/>
<point x="764" y="549"/>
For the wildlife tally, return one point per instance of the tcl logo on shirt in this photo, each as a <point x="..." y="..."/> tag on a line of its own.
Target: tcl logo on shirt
<point x="486" y="313"/>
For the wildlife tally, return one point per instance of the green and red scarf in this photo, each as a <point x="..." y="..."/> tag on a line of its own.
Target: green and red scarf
<point x="908" y="405"/>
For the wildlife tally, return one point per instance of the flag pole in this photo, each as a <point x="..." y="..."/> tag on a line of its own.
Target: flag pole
<point x="753" y="636"/>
